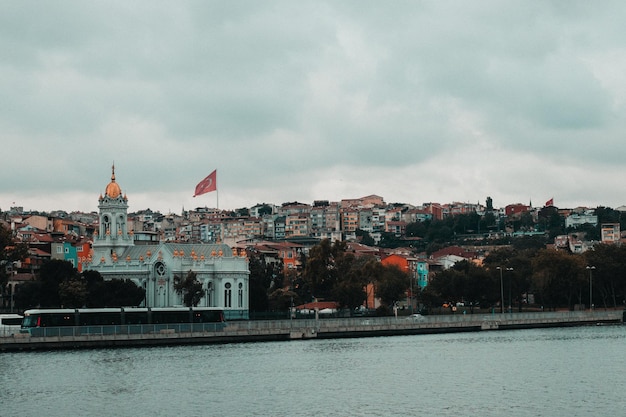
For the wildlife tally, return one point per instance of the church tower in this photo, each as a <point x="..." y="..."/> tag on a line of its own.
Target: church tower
<point x="113" y="237"/>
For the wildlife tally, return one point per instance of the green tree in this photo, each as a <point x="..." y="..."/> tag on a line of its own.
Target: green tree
<point x="27" y="295"/>
<point x="51" y="275"/>
<point x="608" y="275"/>
<point x="282" y="299"/>
<point x="349" y="291"/>
<point x="465" y="282"/>
<point x="189" y="288"/>
<point x="365" y="237"/>
<point x="321" y="273"/>
<point x="9" y="253"/>
<point x="558" y="277"/>
<point x="262" y="277"/>
<point x="391" y="284"/>
<point x="123" y="293"/>
<point x="73" y="292"/>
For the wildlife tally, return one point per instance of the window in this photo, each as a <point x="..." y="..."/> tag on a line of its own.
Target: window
<point x="59" y="249"/>
<point x="227" y="295"/>
<point x="240" y="296"/>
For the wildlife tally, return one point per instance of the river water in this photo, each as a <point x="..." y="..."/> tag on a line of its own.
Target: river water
<point x="540" y="372"/>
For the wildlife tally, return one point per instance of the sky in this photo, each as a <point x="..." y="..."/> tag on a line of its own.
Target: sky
<point x="414" y="101"/>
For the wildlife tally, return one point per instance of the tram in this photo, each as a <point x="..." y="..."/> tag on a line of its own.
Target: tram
<point x="133" y="319"/>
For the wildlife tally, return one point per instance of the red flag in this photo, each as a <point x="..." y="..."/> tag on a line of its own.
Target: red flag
<point x="550" y="202"/>
<point x="207" y="185"/>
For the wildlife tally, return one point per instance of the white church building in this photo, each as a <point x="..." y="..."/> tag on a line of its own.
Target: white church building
<point x="224" y="273"/>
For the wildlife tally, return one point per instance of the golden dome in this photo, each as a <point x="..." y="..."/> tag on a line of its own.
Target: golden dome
<point x="113" y="190"/>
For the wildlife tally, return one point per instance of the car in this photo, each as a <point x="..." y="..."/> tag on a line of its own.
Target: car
<point x="416" y="317"/>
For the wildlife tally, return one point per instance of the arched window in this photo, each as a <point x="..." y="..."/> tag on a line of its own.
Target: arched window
<point x="227" y="295"/>
<point x="209" y="294"/>
<point x="240" y="296"/>
<point x="106" y="224"/>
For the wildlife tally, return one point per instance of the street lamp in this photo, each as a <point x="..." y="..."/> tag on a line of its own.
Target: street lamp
<point x="502" y="288"/>
<point x="590" y="269"/>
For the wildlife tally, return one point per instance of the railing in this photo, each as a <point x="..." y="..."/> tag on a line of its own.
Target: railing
<point x="329" y="325"/>
<point x="8" y="331"/>
<point x="133" y="329"/>
<point x="334" y="324"/>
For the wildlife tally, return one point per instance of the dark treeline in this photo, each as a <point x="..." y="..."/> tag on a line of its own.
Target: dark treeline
<point x="59" y="284"/>
<point x="553" y="279"/>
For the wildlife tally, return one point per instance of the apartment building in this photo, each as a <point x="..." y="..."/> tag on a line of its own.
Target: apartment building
<point x="365" y="220"/>
<point x="297" y="225"/>
<point x="416" y="215"/>
<point x="349" y="220"/>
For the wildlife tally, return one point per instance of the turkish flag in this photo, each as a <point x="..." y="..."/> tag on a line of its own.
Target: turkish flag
<point x="550" y="202"/>
<point x="207" y="185"/>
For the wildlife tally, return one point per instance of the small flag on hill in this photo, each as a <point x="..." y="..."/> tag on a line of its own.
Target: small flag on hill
<point x="550" y="202"/>
<point x="207" y="185"/>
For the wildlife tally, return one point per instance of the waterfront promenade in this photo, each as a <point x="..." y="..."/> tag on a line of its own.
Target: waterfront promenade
<point x="326" y="328"/>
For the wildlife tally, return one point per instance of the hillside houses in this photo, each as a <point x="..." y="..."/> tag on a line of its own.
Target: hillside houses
<point x="286" y="229"/>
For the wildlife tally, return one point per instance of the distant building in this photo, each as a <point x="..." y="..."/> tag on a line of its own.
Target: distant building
<point x="610" y="233"/>
<point x="576" y="220"/>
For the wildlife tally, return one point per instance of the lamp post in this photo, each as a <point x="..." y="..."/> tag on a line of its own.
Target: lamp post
<point x="501" y="292"/>
<point x="510" y="284"/>
<point x="590" y="269"/>
<point x="410" y="290"/>
<point x="502" y="288"/>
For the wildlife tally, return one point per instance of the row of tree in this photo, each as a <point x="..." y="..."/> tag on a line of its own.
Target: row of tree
<point x="59" y="284"/>
<point x="554" y="279"/>
<point x="524" y="277"/>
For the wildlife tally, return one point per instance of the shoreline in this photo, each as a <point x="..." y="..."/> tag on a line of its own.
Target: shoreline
<point x="327" y="328"/>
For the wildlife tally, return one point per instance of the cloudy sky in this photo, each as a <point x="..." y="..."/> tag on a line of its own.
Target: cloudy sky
<point x="415" y="101"/>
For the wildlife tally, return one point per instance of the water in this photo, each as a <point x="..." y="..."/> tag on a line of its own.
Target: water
<point x="543" y="372"/>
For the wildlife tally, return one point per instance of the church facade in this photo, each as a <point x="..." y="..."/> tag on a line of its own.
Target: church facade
<point x="223" y="272"/>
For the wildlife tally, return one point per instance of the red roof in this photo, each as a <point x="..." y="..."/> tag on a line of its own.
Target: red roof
<point x="454" y="250"/>
<point x="320" y="305"/>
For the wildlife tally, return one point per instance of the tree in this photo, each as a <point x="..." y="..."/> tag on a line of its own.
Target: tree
<point x="558" y="277"/>
<point x="9" y="253"/>
<point x="391" y="284"/>
<point x="365" y="237"/>
<point x="466" y="282"/>
<point x="123" y="293"/>
<point x="320" y="273"/>
<point x="27" y="295"/>
<point x="282" y="299"/>
<point x="73" y="292"/>
<point x="113" y="293"/>
<point x="52" y="274"/>
<point x="189" y="288"/>
<point x="608" y="275"/>
<point x="349" y="291"/>
<point x="265" y="209"/>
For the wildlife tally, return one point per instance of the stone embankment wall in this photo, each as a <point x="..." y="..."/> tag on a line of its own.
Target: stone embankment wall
<point x="253" y="331"/>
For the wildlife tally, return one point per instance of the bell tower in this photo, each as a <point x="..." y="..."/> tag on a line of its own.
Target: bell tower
<point x="113" y="236"/>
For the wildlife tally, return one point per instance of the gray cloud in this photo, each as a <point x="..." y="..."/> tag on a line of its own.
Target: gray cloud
<point x="426" y="101"/>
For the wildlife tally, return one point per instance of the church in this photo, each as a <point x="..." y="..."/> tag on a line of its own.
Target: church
<point x="223" y="272"/>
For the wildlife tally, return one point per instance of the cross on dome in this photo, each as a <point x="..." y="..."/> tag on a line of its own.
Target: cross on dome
<point x="113" y="190"/>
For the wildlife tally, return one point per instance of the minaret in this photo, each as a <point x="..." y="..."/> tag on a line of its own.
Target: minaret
<point x="113" y="236"/>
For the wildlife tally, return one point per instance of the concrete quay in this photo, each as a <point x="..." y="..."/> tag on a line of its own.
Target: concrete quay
<point x="326" y="328"/>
